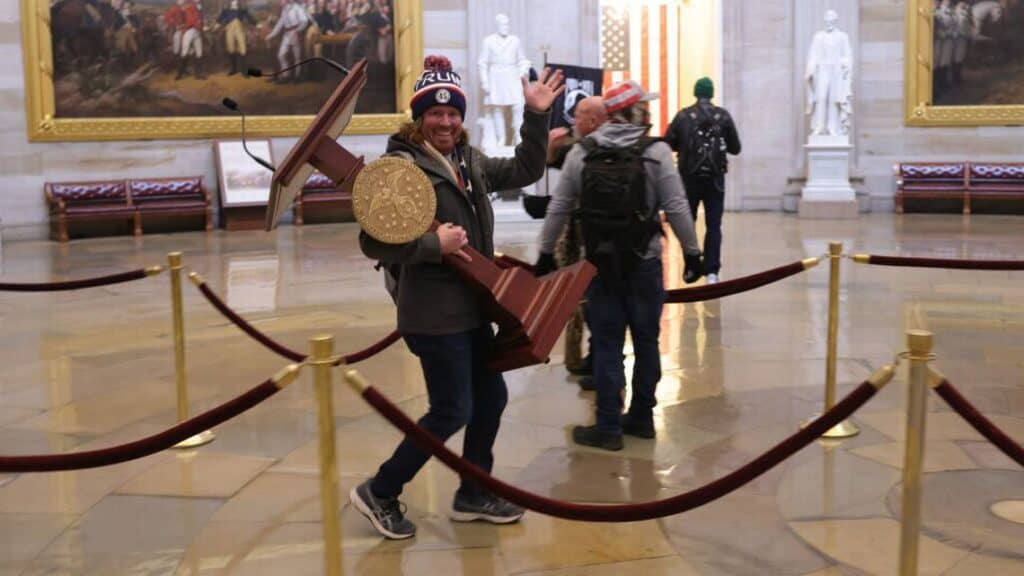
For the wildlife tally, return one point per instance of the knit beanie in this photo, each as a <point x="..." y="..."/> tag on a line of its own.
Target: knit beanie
<point x="704" y="88"/>
<point x="438" y="85"/>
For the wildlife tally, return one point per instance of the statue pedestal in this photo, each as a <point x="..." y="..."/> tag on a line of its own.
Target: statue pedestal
<point x="828" y="193"/>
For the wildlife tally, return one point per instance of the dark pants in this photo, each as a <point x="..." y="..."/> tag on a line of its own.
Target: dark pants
<point x="636" y="303"/>
<point x="462" y="392"/>
<point x="710" y="191"/>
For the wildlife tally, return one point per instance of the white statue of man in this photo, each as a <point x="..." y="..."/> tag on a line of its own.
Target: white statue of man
<point x="502" y="64"/>
<point x="829" y="75"/>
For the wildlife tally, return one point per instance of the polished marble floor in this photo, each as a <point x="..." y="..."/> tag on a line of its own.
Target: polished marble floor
<point x="94" y="368"/>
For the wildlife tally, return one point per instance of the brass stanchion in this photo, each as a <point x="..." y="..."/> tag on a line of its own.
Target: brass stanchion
<point x="178" y="315"/>
<point x="920" y="344"/>
<point x="321" y="349"/>
<point x="846" y="428"/>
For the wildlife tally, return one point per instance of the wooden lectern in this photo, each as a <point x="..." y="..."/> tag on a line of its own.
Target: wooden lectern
<point x="530" y="312"/>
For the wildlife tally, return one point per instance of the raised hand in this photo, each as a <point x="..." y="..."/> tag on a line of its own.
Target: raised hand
<point x="540" y="94"/>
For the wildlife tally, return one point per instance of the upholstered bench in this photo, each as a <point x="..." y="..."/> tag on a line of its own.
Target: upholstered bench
<point x="87" y="201"/>
<point x="184" y="196"/>
<point x="931" y="181"/>
<point x="994" y="181"/>
<point x="125" y="200"/>
<point x="321" y="196"/>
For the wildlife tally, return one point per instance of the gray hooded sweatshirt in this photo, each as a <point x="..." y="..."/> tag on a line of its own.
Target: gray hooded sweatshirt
<point x="664" y="189"/>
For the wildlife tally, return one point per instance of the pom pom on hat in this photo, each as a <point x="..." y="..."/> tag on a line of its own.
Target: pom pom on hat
<point x="438" y="85"/>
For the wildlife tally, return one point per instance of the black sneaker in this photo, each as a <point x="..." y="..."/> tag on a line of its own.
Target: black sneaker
<point x="487" y="507"/>
<point x="639" y="427"/>
<point x="386" y="514"/>
<point x="694" y="268"/>
<point x="593" y="436"/>
<point x="584" y="368"/>
<point x="587" y="384"/>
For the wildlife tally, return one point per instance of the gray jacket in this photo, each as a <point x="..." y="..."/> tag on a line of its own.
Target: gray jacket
<point x="431" y="298"/>
<point x="664" y="189"/>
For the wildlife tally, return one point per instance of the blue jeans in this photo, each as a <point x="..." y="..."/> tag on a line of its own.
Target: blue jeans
<point x="636" y="303"/>
<point x="710" y="191"/>
<point x="462" y="392"/>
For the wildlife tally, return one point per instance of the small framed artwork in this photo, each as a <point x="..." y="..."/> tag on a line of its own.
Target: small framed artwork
<point x="244" y="183"/>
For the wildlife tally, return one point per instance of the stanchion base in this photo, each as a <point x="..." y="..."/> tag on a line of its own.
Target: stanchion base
<point x="195" y="441"/>
<point x="844" y="429"/>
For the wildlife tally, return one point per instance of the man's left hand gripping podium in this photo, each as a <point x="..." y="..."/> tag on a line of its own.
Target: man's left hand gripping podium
<point x="394" y="202"/>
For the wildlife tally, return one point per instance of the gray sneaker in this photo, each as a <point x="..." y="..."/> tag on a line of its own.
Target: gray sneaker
<point x="386" y="514"/>
<point x="487" y="507"/>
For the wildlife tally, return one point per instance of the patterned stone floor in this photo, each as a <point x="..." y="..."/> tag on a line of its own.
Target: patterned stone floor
<point x="94" y="368"/>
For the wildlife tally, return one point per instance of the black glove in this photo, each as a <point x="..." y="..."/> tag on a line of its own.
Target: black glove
<point x="545" y="264"/>
<point x="694" y="268"/>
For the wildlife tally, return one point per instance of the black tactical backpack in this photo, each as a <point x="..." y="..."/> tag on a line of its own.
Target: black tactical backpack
<point x="706" y="149"/>
<point x="616" y="221"/>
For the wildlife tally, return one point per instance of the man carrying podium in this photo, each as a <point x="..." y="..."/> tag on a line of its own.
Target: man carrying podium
<point x="440" y="317"/>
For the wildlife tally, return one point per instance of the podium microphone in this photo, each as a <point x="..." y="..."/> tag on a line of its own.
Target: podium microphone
<point x="233" y="106"/>
<point x="257" y="73"/>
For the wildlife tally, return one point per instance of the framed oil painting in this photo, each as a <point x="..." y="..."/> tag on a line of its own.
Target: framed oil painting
<point x="243" y="182"/>
<point x="156" y="69"/>
<point x="964" y="62"/>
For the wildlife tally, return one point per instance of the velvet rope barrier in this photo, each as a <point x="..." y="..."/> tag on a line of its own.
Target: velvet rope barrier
<point x="157" y="442"/>
<point x="735" y="286"/>
<point x="909" y="262"/>
<point x="83" y="283"/>
<point x="276" y="346"/>
<point x="622" y="512"/>
<point x="983" y="425"/>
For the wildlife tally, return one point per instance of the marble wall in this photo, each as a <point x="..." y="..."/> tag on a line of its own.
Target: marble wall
<point x="762" y="52"/>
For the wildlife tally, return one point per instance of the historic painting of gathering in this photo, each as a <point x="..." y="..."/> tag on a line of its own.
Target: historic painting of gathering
<point x="169" y="58"/>
<point x="978" y="53"/>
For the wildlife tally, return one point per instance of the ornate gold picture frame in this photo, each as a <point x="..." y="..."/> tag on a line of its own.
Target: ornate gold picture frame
<point x="44" y="123"/>
<point x="938" y="48"/>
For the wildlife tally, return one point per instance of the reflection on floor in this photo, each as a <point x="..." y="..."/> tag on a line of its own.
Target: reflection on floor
<point x="94" y="368"/>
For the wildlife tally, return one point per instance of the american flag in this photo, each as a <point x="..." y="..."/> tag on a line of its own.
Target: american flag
<point x="639" y="40"/>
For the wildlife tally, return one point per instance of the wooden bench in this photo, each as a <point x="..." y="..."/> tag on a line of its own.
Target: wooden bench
<point x="85" y="202"/>
<point x="171" y="197"/>
<point x="321" y="196"/>
<point x="965" y="182"/>
<point x="133" y="201"/>
<point x="994" y="181"/>
<point x="931" y="181"/>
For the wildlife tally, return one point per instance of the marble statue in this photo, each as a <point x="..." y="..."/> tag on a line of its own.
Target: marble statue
<point x="502" y="64"/>
<point x="829" y="77"/>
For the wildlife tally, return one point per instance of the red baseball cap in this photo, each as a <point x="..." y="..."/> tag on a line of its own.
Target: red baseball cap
<point x="625" y="94"/>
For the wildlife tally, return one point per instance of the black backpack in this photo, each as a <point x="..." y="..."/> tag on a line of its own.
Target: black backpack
<point x="706" y="148"/>
<point x="616" y="221"/>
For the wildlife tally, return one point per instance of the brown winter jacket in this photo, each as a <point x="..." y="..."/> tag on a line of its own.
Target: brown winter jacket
<point x="431" y="298"/>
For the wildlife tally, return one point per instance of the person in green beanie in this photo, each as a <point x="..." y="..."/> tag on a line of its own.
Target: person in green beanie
<point x="702" y="135"/>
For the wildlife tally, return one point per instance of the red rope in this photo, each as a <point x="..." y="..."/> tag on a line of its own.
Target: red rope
<point x="983" y="425"/>
<point x="622" y="512"/>
<point x="144" y="447"/>
<point x="283" y="350"/>
<point x="74" y="284"/>
<point x="371" y="350"/>
<point x="735" y="286"/>
<point x="946" y="263"/>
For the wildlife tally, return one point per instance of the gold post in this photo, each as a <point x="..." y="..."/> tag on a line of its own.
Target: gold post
<point x="846" y="428"/>
<point x="321" y="349"/>
<point x="920" y="344"/>
<point x="178" y="315"/>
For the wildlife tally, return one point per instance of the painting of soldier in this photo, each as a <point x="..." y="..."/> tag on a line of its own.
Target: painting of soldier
<point x="978" y="52"/>
<point x="169" y="58"/>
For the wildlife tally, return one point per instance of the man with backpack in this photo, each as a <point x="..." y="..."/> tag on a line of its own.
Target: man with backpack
<point x="702" y="135"/>
<point x="621" y="179"/>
